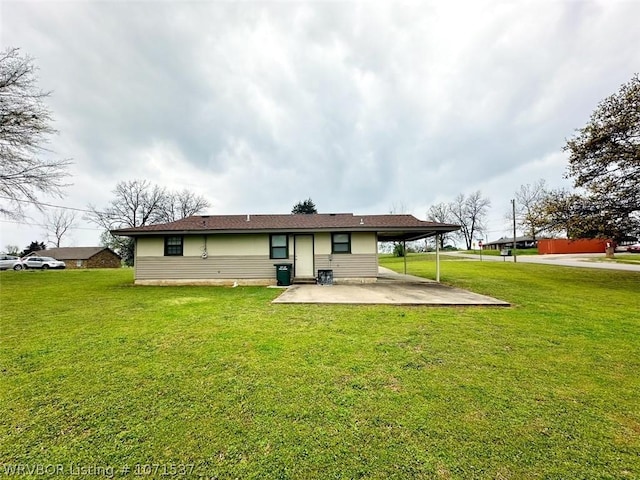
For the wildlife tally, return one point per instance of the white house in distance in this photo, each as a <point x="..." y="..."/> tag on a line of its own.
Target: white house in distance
<point x="242" y="249"/>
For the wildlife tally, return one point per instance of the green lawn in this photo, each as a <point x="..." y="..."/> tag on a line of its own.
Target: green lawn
<point x="97" y="372"/>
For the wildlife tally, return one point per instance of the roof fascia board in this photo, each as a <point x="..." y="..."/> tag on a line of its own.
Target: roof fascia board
<point x="428" y="231"/>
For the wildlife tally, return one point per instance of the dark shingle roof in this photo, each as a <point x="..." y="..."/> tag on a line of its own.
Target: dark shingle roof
<point x="503" y="240"/>
<point x="292" y="223"/>
<point x="73" y="253"/>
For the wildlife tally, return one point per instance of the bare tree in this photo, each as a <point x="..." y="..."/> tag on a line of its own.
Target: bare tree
<point x="398" y="208"/>
<point x="182" y="204"/>
<point x="138" y="203"/>
<point x="441" y="213"/>
<point x="12" y="249"/>
<point x="58" y="224"/>
<point x="470" y="213"/>
<point x="530" y="215"/>
<point x="399" y="247"/>
<point x="26" y="166"/>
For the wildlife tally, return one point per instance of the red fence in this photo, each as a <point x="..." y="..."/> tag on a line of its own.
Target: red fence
<point x="579" y="245"/>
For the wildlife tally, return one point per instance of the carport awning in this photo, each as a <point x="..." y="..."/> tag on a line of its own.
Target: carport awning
<point x="412" y="235"/>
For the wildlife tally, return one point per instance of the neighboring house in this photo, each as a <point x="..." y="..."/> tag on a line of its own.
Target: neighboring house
<point x="224" y="249"/>
<point x="505" y="242"/>
<point x="84" y="257"/>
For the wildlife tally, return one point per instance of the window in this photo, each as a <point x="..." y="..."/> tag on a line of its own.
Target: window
<point x="341" y="243"/>
<point x="279" y="245"/>
<point x="173" y="246"/>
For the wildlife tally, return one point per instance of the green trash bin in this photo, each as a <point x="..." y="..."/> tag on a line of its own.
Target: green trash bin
<point x="283" y="273"/>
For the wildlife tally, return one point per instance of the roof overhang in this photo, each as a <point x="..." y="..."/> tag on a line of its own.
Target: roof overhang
<point x="385" y="234"/>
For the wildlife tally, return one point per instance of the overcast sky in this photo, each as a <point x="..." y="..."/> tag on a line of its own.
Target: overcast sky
<point x="361" y="106"/>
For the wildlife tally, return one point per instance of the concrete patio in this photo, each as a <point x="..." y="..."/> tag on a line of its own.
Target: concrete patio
<point x="390" y="289"/>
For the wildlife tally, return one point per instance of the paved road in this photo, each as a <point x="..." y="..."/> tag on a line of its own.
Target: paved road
<point x="581" y="260"/>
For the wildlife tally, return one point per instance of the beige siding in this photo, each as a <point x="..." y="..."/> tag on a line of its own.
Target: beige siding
<point x="149" y="246"/>
<point x="246" y="257"/>
<point x="364" y="243"/>
<point x="192" y="245"/>
<point x="361" y="243"/>
<point x="226" y="245"/>
<point x="322" y="244"/>
<point x="256" y="244"/>
<point x="217" y="245"/>
<point x="247" y="267"/>
<point x="218" y="267"/>
<point x="349" y="266"/>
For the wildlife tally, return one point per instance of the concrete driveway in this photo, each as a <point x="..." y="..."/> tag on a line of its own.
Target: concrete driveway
<point x="580" y="260"/>
<point x="391" y="289"/>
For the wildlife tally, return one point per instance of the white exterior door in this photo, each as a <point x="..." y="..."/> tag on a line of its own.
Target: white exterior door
<point x="303" y="256"/>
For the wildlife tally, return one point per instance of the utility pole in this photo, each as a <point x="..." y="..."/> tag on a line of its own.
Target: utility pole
<point x="513" y="205"/>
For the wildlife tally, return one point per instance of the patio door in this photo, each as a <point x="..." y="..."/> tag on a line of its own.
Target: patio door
<point x="303" y="256"/>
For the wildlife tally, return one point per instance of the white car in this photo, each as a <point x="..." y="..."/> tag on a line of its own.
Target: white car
<point x="43" y="263"/>
<point x="10" y="261"/>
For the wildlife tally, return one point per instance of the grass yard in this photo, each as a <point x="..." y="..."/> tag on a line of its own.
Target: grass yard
<point x="97" y="373"/>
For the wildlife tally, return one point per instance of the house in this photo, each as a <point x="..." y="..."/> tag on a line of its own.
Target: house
<point x="505" y="242"/>
<point x="243" y="249"/>
<point x="84" y="257"/>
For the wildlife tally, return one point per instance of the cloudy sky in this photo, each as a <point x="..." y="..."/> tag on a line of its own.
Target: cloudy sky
<point x="361" y="106"/>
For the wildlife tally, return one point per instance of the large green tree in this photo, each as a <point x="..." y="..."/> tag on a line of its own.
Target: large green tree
<point x="306" y="207"/>
<point x="604" y="163"/>
<point x="578" y="216"/>
<point x="33" y="247"/>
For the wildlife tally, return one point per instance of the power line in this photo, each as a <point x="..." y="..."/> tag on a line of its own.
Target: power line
<point x="35" y="202"/>
<point x="45" y="226"/>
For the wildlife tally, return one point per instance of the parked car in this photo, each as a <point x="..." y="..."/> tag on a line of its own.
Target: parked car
<point x="10" y="261"/>
<point x="635" y="248"/>
<point x="43" y="263"/>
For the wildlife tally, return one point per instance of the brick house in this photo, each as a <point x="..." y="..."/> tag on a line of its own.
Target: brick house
<point x="85" y="257"/>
